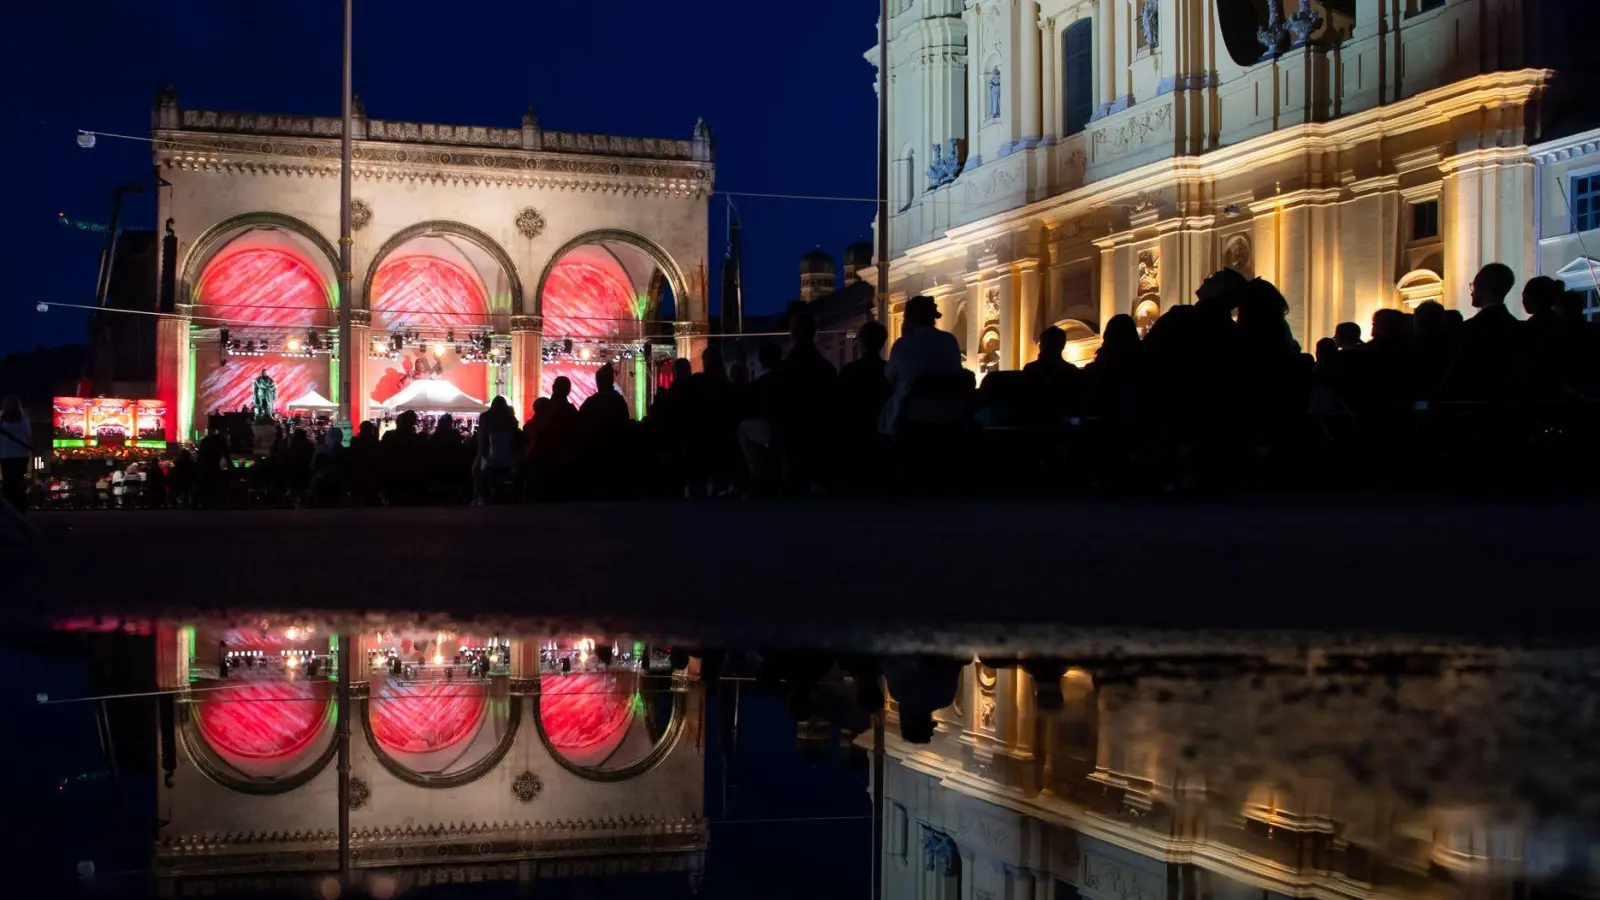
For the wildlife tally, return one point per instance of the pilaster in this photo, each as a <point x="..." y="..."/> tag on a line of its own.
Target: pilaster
<point x="360" y="370"/>
<point x="527" y="358"/>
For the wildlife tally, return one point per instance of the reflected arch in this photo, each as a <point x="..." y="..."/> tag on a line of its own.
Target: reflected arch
<point x="468" y="743"/>
<point x="610" y="725"/>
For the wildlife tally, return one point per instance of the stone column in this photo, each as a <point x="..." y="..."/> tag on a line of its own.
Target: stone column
<point x="1105" y="50"/>
<point x="690" y="340"/>
<point x="977" y="86"/>
<point x="1029" y="74"/>
<point x="173" y="372"/>
<point x="527" y="356"/>
<point x="1025" y="344"/>
<point x="360" y="375"/>
<point x="1050" y="78"/>
<point x="1109" y="306"/>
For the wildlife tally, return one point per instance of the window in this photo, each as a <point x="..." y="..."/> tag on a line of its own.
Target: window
<point x="1077" y="76"/>
<point x="1591" y="305"/>
<point x="1430" y="4"/>
<point x="1585" y="202"/>
<point x="1425" y="220"/>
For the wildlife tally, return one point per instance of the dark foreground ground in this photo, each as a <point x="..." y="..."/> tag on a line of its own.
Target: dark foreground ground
<point x="995" y="572"/>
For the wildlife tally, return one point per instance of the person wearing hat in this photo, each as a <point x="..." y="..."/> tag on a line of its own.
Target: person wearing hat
<point x="923" y="349"/>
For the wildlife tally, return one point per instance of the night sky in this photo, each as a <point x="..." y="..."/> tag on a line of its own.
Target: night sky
<point x="786" y="90"/>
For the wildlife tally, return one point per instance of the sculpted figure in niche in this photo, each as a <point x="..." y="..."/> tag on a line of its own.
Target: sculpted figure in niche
<point x="1149" y="22"/>
<point x="994" y="93"/>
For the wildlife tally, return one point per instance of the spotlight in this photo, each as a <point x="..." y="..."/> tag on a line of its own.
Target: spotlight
<point x="584" y="353"/>
<point x="293" y="345"/>
<point x="43" y="307"/>
<point x="86" y="140"/>
<point x="438" y="349"/>
<point x="379" y="347"/>
<point x="1231" y="210"/>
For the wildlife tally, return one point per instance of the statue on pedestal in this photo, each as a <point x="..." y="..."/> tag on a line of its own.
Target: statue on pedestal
<point x="266" y="394"/>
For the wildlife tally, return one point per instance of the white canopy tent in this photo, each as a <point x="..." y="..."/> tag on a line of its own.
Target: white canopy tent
<point x="433" y="396"/>
<point x="312" y="400"/>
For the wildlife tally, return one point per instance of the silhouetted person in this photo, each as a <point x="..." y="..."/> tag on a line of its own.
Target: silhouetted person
<point x="604" y="422"/>
<point x="16" y="448"/>
<point x="1347" y="335"/>
<point x="328" y="470"/>
<point x="805" y="388"/>
<point x="402" y="460"/>
<point x="494" y="449"/>
<point x="1222" y="292"/>
<point x="1490" y="340"/>
<point x="213" y="469"/>
<point x="557" y="442"/>
<point x="363" y="465"/>
<point x="922" y="350"/>
<point x="448" y="461"/>
<point x="862" y="392"/>
<point x="755" y="429"/>
<point x="1053" y="384"/>
<point x="714" y="413"/>
<point x="1113" y="375"/>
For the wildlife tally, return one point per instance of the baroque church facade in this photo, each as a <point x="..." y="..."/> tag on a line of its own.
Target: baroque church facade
<point x="1064" y="161"/>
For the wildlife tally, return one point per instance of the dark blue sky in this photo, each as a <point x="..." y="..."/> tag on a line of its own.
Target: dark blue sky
<point x="786" y="90"/>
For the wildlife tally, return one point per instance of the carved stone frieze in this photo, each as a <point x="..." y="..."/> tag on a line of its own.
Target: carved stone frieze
<point x="359" y="793"/>
<point x="527" y="787"/>
<point x="1132" y="133"/>
<point x="360" y="214"/>
<point x="445" y="165"/>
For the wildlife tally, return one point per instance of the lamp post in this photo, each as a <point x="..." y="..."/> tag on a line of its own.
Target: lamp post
<point x="348" y="404"/>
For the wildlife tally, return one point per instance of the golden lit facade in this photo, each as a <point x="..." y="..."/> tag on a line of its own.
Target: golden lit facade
<point x="1064" y="161"/>
<point x="1177" y="784"/>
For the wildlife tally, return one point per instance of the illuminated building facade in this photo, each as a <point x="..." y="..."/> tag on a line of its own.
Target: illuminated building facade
<point x="470" y="759"/>
<point x="493" y="258"/>
<point x="1064" y="161"/>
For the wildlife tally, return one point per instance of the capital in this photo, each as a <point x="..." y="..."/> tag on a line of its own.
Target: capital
<point x="527" y="323"/>
<point x="361" y="318"/>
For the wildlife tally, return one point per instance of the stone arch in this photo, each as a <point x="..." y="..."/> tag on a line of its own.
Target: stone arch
<point x="1419" y="286"/>
<point x="1239" y="21"/>
<point x="466" y="775"/>
<point x="663" y="260"/>
<point x="660" y="749"/>
<point x="477" y="236"/>
<point x="205" y="246"/>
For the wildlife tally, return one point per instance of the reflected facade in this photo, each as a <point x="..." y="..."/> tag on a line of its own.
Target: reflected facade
<point x="472" y="758"/>
<point x="1248" y="785"/>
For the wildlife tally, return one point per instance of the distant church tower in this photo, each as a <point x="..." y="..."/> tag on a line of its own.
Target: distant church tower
<point x="816" y="275"/>
<point x="857" y="256"/>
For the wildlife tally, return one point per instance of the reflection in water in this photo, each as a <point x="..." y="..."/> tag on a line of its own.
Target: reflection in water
<point x="514" y="760"/>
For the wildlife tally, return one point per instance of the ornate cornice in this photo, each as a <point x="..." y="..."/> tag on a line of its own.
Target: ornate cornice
<point x="318" y="157"/>
<point x="454" y="842"/>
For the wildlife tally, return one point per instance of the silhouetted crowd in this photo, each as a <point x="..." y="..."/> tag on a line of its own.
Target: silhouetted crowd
<point x="1217" y="393"/>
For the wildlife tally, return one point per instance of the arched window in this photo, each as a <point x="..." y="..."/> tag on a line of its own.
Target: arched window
<point x="1077" y="76"/>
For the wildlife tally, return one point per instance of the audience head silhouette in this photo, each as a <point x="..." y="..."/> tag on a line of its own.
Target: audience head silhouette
<point x="1491" y="285"/>
<point x="604" y="379"/>
<point x="921" y="311"/>
<point x="803" y="328"/>
<point x="561" y="388"/>
<point x="1052" y="343"/>
<point x="872" y="337"/>
<point x="1541" y="295"/>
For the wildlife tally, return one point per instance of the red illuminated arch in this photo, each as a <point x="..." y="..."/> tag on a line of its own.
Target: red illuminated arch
<point x="257" y="285"/>
<point x="424" y="291"/>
